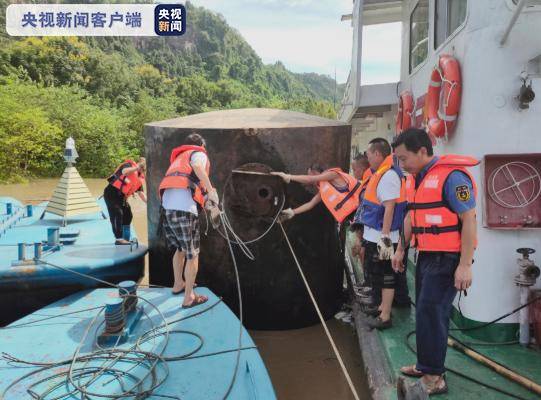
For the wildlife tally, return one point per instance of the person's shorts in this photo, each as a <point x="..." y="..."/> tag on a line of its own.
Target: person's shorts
<point x="181" y="230"/>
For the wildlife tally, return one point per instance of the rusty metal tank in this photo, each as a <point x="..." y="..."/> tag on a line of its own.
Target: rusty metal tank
<point x="262" y="140"/>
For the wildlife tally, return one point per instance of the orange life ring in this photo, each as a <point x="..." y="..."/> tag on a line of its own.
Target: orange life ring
<point x="443" y="106"/>
<point x="405" y="111"/>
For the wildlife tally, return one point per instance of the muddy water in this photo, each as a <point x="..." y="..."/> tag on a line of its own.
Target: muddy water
<point x="301" y="362"/>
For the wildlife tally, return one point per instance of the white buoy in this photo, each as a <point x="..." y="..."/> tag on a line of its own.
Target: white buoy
<point x="70" y="153"/>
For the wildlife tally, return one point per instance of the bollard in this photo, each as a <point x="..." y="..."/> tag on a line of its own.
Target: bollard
<point x="29" y="210"/>
<point x="53" y="236"/>
<point x="127" y="290"/>
<point x="38" y="247"/>
<point x="114" y="315"/>
<point x="9" y="208"/>
<point x="22" y="251"/>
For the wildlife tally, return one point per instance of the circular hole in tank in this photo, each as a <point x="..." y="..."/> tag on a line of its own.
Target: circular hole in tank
<point x="251" y="195"/>
<point x="263" y="192"/>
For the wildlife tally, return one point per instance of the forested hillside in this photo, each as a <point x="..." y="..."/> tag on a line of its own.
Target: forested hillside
<point x="102" y="91"/>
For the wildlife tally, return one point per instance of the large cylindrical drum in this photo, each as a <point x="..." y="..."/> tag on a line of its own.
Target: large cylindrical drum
<point x="239" y="143"/>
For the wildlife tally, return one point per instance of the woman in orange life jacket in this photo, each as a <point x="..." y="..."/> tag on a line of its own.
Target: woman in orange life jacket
<point x="336" y="189"/>
<point x="128" y="179"/>
<point x="442" y="223"/>
<point x="184" y="191"/>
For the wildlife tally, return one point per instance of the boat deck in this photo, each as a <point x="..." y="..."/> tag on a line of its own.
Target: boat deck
<point x="93" y="245"/>
<point x="87" y="247"/>
<point x="203" y="340"/>
<point x="384" y="352"/>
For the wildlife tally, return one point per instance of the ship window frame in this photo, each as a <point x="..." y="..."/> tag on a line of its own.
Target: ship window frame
<point x="511" y="5"/>
<point x="455" y="32"/>
<point x="418" y="66"/>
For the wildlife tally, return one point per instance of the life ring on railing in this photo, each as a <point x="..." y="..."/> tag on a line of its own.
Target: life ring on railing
<point x="404" y="115"/>
<point x="443" y="105"/>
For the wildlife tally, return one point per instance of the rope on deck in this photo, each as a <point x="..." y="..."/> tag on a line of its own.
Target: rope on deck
<point x="79" y="377"/>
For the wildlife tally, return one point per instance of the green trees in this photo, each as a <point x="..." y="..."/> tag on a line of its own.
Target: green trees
<point x="102" y="91"/>
<point x="35" y="121"/>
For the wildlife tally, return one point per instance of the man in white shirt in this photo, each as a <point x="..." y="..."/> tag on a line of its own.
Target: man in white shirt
<point x="186" y="189"/>
<point x="382" y="214"/>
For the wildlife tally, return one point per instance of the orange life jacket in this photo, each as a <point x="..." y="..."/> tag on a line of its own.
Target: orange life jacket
<point x="180" y="174"/>
<point x="366" y="177"/>
<point x="340" y="203"/>
<point x="127" y="184"/>
<point x="435" y="227"/>
<point x="372" y="211"/>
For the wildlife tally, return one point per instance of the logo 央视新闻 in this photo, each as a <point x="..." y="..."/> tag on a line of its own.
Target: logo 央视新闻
<point x="170" y="19"/>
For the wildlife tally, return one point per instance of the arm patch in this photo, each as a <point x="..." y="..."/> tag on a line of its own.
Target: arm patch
<point x="463" y="193"/>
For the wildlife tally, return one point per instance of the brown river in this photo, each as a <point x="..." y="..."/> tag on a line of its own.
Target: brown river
<point x="301" y="362"/>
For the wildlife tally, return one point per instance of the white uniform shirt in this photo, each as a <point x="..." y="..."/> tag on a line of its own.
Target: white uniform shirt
<point x="388" y="189"/>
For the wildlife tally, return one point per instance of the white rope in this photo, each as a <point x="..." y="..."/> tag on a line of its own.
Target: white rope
<point x="333" y="345"/>
<point x="243" y="246"/>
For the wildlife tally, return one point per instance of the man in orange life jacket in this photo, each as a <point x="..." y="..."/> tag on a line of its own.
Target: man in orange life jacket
<point x="382" y="214"/>
<point x="442" y="222"/>
<point x="362" y="171"/>
<point x="127" y="180"/>
<point x="336" y="189"/>
<point x="185" y="190"/>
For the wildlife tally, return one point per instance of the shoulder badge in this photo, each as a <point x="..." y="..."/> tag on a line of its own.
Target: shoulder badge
<point x="463" y="193"/>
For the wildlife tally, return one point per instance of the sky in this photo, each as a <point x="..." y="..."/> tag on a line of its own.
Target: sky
<point x="308" y="36"/>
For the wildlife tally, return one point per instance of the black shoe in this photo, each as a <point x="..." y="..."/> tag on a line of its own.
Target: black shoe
<point x="378" y="323"/>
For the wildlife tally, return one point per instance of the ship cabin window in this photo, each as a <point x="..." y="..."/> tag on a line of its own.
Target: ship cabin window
<point x="450" y="14"/>
<point x="418" y="34"/>
<point x="531" y="3"/>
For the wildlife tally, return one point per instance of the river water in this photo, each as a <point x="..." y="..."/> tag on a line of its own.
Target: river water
<point x="301" y="362"/>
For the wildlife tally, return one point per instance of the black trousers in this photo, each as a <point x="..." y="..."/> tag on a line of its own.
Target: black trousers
<point x="401" y="295"/>
<point x="434" y="294"/>
<point x="379" y="274"/>
<point x="119" y="209"/>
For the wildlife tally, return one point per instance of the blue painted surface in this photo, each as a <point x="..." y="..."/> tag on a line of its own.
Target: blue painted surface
<point x="201" y="378"/>
<point x="93" y="252"/>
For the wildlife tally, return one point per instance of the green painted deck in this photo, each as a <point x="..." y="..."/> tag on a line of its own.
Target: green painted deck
<point x="527" y="362"/>
<point x="524" y="361"/>
<point x="390" y="345"/>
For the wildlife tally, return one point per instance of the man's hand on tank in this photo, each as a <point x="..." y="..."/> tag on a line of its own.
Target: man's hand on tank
<point x="283" y="175"/>
<point x="286" y="214"/>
